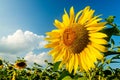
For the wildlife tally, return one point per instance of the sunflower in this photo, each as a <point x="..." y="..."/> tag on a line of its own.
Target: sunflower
<point x="77" y="41"/>
<point x="20" y="64"/>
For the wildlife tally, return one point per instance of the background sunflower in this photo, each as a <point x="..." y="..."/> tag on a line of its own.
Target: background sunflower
<point x="20" y="64"/>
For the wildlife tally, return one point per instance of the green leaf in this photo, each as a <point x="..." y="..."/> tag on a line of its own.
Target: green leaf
<point x="110" y="19"/>
<point x="67" y="78"/>
<point x="83" y="78"/>
<point x="118" y="50"/>
<point x="115" y="62"/>
<point x="116" y="31"/>
<point x="111" y="31"/>
<point x="112" y="42"/>
<point x="111" y="53"/>
<point x="56" y="66"/>
<point x="116" y="57"/>
<point x="63" y="74"/>
<point x="108" y="32"/>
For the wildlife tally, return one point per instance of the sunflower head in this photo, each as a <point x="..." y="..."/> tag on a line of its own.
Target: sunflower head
<point x="20" y="64"/>
<point x="77" y="41"/>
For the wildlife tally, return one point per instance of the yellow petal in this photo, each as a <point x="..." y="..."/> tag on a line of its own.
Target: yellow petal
<point x="94" y="29"/>
<point x="76" y="63"/>
<point x="58" y="24"/>
<point x="53" y="34"/>
<point x="53" y="51"/>
<point x="94" y="22"/>
<point x="86" y="61"/>
<point x="95" y="19"/>
<point x="83" y="62"/>
<point x="98" y="41"/>
<point x="71" y="15"/>
<point x="97" y="54"/>
<point x="60" y="55"/>
<point x="84" y="17"/>
<point x="90" y="54"/>
<point x="66" y="20"/>
<point x="67" y="66"/>
<point x="90" y="14"/>
<point x="98" y="35"/>
<point x="77" y="15"/>
<point x="67" y="56"/>
<point x="66" y="13"/>
<point x="89" y="63"/>
<point x="100" y="24"/>
<point x="100" y="47"/>
<point x="51" y="45"/>
<point x="71" y="63"/>
<point x="52" y="39"/>
<point x="56" y="55"/>
<point x="79" y="62"/>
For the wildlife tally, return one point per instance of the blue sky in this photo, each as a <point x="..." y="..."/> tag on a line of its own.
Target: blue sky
<point x="38" y="15"/>
<point x="35" y="17"/>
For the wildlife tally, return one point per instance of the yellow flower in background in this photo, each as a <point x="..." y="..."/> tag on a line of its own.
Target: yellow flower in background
<point x="77" y="41"/>
<point x="20" y="64"/>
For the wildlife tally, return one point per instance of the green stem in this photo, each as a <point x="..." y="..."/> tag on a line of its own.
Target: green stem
<point x="90" y="77"/>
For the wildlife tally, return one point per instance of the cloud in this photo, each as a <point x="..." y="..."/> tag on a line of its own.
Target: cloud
<point x="20" y="42"/>
<point x="38" y="58"/>
<point x="24" y="44"/>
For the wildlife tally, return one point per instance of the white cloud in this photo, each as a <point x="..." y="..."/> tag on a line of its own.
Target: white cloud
<point x="24" y="44"/>
<point x="20" y="42"/>
<point x="38" y="58"/>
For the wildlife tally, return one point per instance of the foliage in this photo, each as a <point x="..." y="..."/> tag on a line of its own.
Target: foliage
<point x="50" y="72"/>
<point x="103" y="71"/>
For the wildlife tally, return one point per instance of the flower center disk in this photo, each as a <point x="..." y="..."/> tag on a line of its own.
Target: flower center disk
<point x="21" y="64"/>
<point x="76" y="38"/>
<point x="69" y="36"/>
